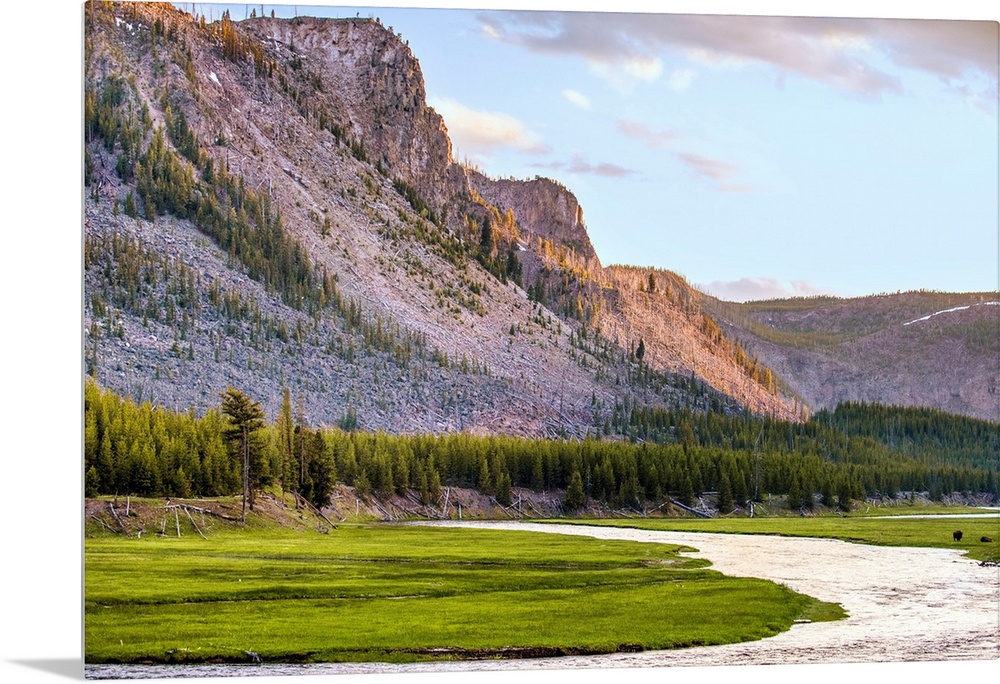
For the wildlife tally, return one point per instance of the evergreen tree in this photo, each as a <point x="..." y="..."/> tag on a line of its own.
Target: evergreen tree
<point x="434" y="484"/>
<point x="503" y="488"/>
<point x="286" y="430"/>
<point x="686" y="494"/>
<point x="844" y="494"/>
<point x="245" y="418"/>
<point x="322" y="472"/>
<point x="92" y="484"/>
<point x="725" y="494"/>
<point x="827" y="492"/>
<point x="574" y="492"/>
<point x="483" y="479"/>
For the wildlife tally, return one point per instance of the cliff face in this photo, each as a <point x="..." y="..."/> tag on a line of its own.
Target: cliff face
<point x="371" y="80"/>
<point x="375" y="82"/>
<point x="544" y="209"/>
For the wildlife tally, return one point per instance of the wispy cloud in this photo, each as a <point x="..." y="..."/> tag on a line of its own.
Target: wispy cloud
<point x="681" y="79"/>
<point x="644" y="68"/>
<point x="715" y="170"/>
<point x="478" y="132"/>
<point x="848" y="54"/>
<point x="580" y="100"/>
<point x="579" y="165"/>
<point x="624" y="75"/>
<point x="645" y="134"/>
<point x="747" y="289"/>
<point x="709" y="168"/>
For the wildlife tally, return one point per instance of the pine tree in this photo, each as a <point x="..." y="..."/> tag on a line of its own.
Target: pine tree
<point x="483" y="480"/>
<point x="503" y="488"/>
<point x="92" y="484"/>
<point x="245" y="418"/>
<point x="574" y="492"/>
<point x="725" y="494"/>
<point x="286" y="430"/>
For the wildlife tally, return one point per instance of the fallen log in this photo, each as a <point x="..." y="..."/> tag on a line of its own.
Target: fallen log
<point x="104" y="524"/>
<point x="315" y="510"/>
<point x="694" y="511"/>
<point x="202" y="511"/>
<point x="193" y="523"/>
<point x="118" y="520"/>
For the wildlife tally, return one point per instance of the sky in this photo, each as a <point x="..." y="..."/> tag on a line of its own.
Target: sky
<point x="41" y="274"/>
<point x="758" y="156"/>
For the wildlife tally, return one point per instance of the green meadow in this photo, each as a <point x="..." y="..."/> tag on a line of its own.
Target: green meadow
<point x="409" y="593"/>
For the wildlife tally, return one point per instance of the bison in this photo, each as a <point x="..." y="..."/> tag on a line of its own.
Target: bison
<point x="957" y="535"/>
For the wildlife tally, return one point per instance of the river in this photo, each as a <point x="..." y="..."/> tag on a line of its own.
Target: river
<point x="904" y="604"/>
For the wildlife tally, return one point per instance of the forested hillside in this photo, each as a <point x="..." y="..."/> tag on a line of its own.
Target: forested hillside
<point x="920" y="432"/>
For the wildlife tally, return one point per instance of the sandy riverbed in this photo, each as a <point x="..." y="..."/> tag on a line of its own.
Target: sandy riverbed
<point x="905" y="604"/>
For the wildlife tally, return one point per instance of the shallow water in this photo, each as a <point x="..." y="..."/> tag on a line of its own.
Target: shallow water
<point x="904" y="604"/>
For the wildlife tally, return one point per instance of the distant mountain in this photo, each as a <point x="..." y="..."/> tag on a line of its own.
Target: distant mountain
<point x="932" y="349"/>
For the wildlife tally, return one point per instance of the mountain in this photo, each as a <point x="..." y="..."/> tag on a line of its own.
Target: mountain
<point x="930" y="349"/>
<point x="271" y="204"/>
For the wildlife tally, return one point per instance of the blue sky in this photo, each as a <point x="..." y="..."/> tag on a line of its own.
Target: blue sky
<point x="756" y="155"/>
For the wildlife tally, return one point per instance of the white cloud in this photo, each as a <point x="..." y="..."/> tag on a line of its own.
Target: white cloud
<point x="478" y="132"/>
<point x="579" y="165"/>
<point x="580" y="100"/>
<point x="681" y="79"/>
<point x="614" y="76"/>
<point x="748" y="289"/>
<point x="848" y="54"/>
<point x="646" y="69"/>
<point x="625" y="74"/>
<point x="715" y="170"/>
<point x="645" y="134"/>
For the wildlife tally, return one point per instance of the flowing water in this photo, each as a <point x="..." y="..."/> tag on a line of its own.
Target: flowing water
<point x="904" y="604"/>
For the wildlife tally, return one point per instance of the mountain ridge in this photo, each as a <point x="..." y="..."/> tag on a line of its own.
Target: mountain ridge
<point x="937" y="350"/>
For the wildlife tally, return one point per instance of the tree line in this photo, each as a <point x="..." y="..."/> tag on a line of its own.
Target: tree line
<point x="918" y="430"/>
<point x="145" y="450"/>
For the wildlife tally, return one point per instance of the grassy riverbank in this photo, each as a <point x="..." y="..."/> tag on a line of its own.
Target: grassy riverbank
<point x="897" y="530"/>
<point x="393" y="593"/>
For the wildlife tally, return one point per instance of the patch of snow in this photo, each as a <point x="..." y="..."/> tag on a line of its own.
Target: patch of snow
<point x="936" y="313"/>
<point x="214" y="78"/>
<point x="957" y="308"/>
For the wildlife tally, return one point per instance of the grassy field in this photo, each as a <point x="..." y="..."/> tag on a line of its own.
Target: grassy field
<point x="394" y="593"/>
<point x="898" y="530"/>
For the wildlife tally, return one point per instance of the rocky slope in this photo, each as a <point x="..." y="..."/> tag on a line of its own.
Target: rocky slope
<point x="300" y="222"/>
